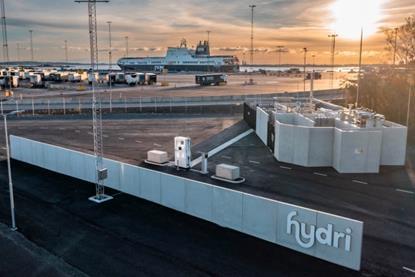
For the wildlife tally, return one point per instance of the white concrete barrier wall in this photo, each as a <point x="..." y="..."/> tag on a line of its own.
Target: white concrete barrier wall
<point x="326" y="236"/>
<point x="262" y="125"/>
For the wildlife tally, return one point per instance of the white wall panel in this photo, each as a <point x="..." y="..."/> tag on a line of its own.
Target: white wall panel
<point x="227" y="208"/>
<point x="150" y="185"/>
<point x="259" y="217"/>
<point x="199" y="199"/>
<point x="173" y="192"/>
<point x="113" y="180"/>
<point x="130" y="179"/>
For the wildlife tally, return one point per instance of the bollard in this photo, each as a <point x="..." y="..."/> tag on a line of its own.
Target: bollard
<point x="64" y="106"/>
<point x="110" y="101"/>
<point x="79" y="106"/>
<point x="1" y="107"/>
<point x="33" y="107"/>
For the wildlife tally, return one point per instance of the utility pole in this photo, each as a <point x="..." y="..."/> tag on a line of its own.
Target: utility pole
<point x="66" y="51"/>
<point x="360" y="68"/>
<point x="4" y="32"/>
<point x="395" y="45"/>
<point x="252" y="34"/>
<point x="101" y="173"/>
<point x="31" y="46"/>
<point x="126" y="46"/>
<point x="280" y="50"/>
<point x="305" y="64"/>
<point x="333" y="53"/>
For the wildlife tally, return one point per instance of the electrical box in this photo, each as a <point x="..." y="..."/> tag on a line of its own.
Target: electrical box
<point x="102" y="174"/>
<point x="182" y="152"/>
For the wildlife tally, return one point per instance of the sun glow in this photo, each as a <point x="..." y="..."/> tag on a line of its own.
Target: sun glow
<point x="349" y="16"/>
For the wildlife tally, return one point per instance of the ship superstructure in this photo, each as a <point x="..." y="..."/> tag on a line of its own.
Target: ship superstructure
<point x="183" y="58"/>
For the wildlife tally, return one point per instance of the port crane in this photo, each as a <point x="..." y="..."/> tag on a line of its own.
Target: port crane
<point x="101" y="172"/>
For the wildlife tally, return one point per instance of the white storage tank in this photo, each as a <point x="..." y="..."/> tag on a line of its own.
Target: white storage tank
<point x="182" y="152"/>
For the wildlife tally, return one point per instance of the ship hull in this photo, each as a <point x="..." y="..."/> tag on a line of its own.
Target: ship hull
<point x="180" y="68"/>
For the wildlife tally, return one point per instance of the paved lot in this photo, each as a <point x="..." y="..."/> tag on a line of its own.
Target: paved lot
<point x="182" y="85"/>
<point x="129" y="139"/>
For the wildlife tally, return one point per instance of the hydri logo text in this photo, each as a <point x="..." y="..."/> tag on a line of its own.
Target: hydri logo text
<point x="307" y="234"/>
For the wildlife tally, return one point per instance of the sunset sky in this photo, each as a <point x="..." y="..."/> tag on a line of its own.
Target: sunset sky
<point x="153" y="25"/>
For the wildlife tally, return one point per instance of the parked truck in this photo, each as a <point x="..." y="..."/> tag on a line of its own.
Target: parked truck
<point x="215" y="79"/>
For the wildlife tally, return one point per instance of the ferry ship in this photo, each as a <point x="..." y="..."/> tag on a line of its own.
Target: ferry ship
<point x="183" y="59"/>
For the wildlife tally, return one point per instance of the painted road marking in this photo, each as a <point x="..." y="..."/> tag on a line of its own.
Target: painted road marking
<point x="77" y="131"/>
<point x="359" y="182"/>
<point x="138" y="141"/>
<point x="320" y="174"/>
<point x="105" y="136"/>
<point x="121" y="138"/>
<point x="158" y="145"/>
<point x="285" y="167"/>
<point x="405" y="191"/>
<point x="89" y="133"/>
<point x="409" y="269"/>
<point x="254" y="162"/>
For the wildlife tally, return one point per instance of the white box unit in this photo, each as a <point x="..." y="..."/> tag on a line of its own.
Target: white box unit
<point x="157" y="156"/>
<point x="182" y="152"/>
<point x="227" y="171"/>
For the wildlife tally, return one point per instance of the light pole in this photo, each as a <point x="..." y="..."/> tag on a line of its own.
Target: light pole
<point x="280" y="50"/>
<point x="126" y="46"/>
<point x="305" y="64"/>
<point x="408" y="112"/>
<point x="252" y="7"/>
<point x="360" y="68"/>
<point x="395" y="45"/>
<point x="333" y="53"/>
<point x="31" y="46"/>
<point x="9" y="170"/>
<point x="110" y="62"/>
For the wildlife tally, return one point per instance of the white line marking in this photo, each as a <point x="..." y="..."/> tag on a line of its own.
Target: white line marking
<point x="409" y="269"/>
<point x="89" y="133"/>
<point x="254" y="162"/>
<point x="285" y="167"/>
<point x="158" y="145"/>
<point x="359" y="182"/>
<point x="320" y="174"/>
<point x="105" y="136"/>
<point x="138" y="141"/>
<point x="121" y="138"/>
<point x="77" y="131"/>
<point x="405" y="191"/>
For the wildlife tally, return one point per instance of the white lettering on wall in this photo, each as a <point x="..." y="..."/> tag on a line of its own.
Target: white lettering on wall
<point x="306" y="234"/>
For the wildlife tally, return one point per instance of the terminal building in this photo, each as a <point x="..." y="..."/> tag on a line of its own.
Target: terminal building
<point x="319" y="134"/>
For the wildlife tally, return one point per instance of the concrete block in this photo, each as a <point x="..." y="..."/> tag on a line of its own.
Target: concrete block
<point x="173" y="192"/>
<point x="226" y="171"/>
<point x="199" y="199"/>
<point x="157" y="156"/>
<point x="227" y="208"/>
<point x="259" y="217"/>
